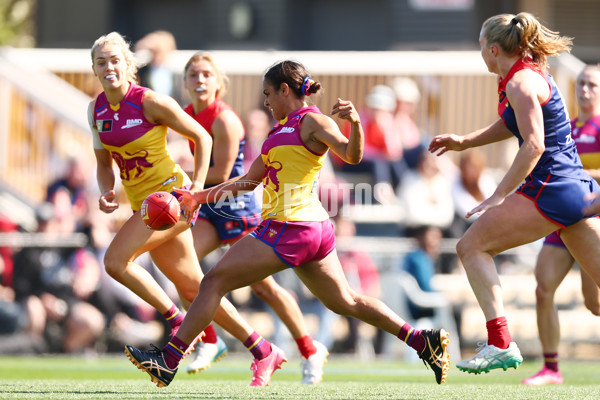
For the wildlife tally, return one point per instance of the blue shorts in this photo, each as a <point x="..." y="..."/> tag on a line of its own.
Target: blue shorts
<point x="558" y="198"/>
<point x="233" y="217"/>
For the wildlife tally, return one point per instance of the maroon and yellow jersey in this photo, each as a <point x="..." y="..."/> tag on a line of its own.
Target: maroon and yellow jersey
<point x="138" y="146"/>
<point x="291" y="180"/>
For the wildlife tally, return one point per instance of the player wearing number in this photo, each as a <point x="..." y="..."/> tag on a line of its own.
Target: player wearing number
<point x="129" y="125"/>
<point x="516" y="47"/>
<point x="228" y="221"/>
<point x="296" y="231"/>
<point x="554" y="260"/>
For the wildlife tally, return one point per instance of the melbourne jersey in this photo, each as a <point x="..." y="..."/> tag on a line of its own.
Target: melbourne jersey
<point x="138" y="146"/>
<point x="206" y="118"/>
<point x="560" y="155"/>
<point x="291" y="179"/>
<point x="587" y="138"/>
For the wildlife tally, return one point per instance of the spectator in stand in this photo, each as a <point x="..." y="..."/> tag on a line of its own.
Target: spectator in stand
<point x="70" y="196"/>
<point x="65" y="282"/>
<point x="256" y="123"/>
<point x="473" y="185"/>
<point x="407" y="98"/>
<point x="154" y="50"/>
<point x="420" y="263"/>
<point x="426" y="196"/>
<point x="383" y="156"/>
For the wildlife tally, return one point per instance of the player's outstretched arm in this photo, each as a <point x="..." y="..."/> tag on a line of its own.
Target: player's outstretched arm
<point x="192" y="199"/>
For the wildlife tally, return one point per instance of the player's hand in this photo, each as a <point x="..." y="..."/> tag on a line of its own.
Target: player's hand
<point x="345" y="110"/>
<point x="485" y="205"/>
<point x="189" y="204"/>
<point x="443" y="143"/>
<point x="593" y="207"/>
<point x="107" y="202"/>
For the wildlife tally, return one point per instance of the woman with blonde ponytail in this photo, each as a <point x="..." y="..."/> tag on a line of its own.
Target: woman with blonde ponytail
<point x="542" y="191"/>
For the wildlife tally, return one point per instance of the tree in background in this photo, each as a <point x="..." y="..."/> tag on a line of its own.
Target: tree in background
<point x="17" y="23"/>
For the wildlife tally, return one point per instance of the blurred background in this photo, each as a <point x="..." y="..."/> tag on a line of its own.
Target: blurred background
<point x="414" y="62"/>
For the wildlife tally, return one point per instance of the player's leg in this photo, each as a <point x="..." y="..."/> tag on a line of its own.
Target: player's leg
<point x="133" y="239"/>
<point x="514" y="222"/>
<point x="326" y="280"/>
<point x="583" y="241"/>
<point x="553" y="264"/>
<point x="212" y="348"/>
<point x="283" y="303"/>
<point x="248" y="261"/>
<point x="206" y="238"/>
<point x="591" y="293"/>
<point x="177" y="259"/>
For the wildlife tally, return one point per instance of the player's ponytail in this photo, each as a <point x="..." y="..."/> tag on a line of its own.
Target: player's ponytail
<point x="295" y="75"/>
<point x="524" y="35"/>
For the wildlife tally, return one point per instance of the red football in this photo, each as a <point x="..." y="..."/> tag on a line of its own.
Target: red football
<point x="160" y="211"/>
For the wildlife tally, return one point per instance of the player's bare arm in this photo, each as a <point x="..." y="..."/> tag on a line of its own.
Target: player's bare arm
<point x="164" y="110"/>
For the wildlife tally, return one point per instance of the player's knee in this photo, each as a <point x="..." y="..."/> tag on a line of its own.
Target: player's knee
<point x="262" y="291"/>
<point x="113" y="266"/>
<point x="543" y="295"/>
<point x="212" y="282"/>
<point x="464" y="248"/>
<point x="344" y="305"/>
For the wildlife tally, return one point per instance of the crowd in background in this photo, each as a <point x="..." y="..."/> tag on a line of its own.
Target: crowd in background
<point x="61" y="300"/>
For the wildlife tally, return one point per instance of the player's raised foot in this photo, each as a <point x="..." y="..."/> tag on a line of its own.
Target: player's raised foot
<point x="312" y="367"/>
<point x="545" y="377"/>
<point x="490" y="357"/>
<point x="262" y="370"/>
<point x="152" y="362"/>
<point x="207" y="353"/>
<point x="435" y="354"/>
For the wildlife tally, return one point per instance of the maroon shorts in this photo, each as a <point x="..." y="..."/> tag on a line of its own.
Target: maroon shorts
<point x="297" y="242"/>
<point x="554" y="239"/>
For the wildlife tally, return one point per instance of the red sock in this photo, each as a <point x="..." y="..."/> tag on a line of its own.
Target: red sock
<point x="174" y="351"/>
<point x="551" y="361"/>
<point x="210" y="335"/>
<point x="258" y="346"/>
<point x="412" y="337"/>
<point x="174" y="317"/>
<point x="498" y="334"/>
<point x="306" y="346"/>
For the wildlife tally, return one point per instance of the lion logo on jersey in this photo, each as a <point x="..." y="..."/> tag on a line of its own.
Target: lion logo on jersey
<point x="271" y="170"/>
<point x="136" y="163"/>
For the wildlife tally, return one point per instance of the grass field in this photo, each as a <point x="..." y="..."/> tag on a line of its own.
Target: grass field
<point x="114" y="377"/>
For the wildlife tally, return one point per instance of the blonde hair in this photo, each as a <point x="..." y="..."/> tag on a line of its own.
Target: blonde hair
<point x="524" y="35"/>
<point x="116" y="39"/>
<point x="222" y="78"/>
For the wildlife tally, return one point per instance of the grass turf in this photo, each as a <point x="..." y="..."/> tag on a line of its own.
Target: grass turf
<point x="114" y="377"/>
